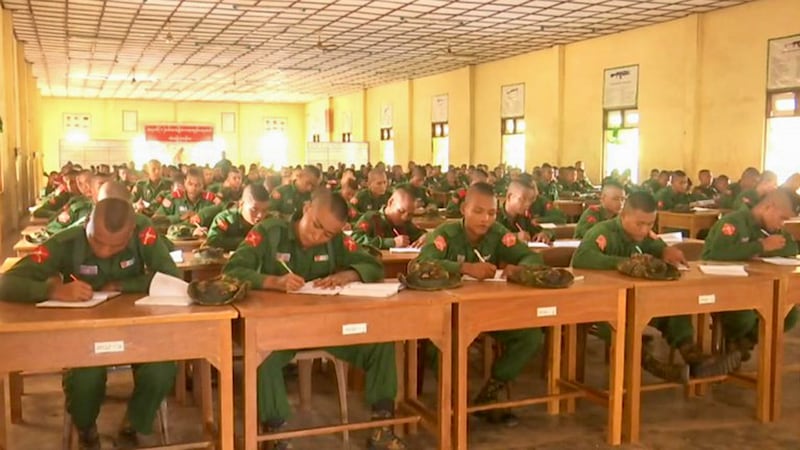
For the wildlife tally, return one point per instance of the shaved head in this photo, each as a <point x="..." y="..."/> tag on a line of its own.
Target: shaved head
<point x="777" y="199"/>
<point x="113" y="189"/>
<point x="110" y="227"/>
<point x="479" y="189"/>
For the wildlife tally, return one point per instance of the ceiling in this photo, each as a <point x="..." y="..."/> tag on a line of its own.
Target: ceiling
<point x="296" y="51"/>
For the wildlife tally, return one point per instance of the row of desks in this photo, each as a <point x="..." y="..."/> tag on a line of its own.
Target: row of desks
<point x="451" y="319"/>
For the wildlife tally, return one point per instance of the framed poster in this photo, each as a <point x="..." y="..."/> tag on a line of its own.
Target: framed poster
<point x="130" y="120"/>
<point x="439" y="108"/>
<point x="512" y="101"/>
<point x="228" y="122"/>
<point x="783" y="63"/>
<point x="347" y="122"/>
<point x="387" y="115"/>
<point x="621" y="87"/>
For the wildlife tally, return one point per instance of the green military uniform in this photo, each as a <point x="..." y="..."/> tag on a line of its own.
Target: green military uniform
<point x="705" y="192"/>
<point x="544" y="211"/>
<point x="365" y="201"/>
<point x="736" y="237"/>
<point x="667" y="199"/>
<point x="453" y="208"/>
<point x="226" y="194"/>
<point x="373" y="228"/>
<point x="287" y="199"/>
<point x="445" y="186"/>
<point x="501" y="185"/>
<point x="227" y="230"/>
<point x="419" y="193"/>
<point x="68" y="254"/>
<point x="148" y="191"/>
<point x="522" y="223"/>
<point x="585" y="185"/>
<point x="570" y="187"/>
<point x="654" y="186"/>
<point x="77" y="209"/>
<point x="603" y="247"/>
<point x="746" y="199"/>
<point x="53" y="203"/>
<point x="590" y="217"/>
<point x="548" y="190"/>
<point x="448" y="245"/>
<point x="274" y="240"/>
<point x="177" y="204"/>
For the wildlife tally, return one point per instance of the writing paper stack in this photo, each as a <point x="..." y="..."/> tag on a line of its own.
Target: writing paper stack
<point x="97" y="298"/>
<point x="732" y="270"/>
<point x="357" y="289"/>
<point x="498" y="276"/>
<point x="671" y="238"/>
<point x="404" y="250"/>
<point x="567" y="243"/>
<point x="166" y="290"/>
<point x="781" y="261"/>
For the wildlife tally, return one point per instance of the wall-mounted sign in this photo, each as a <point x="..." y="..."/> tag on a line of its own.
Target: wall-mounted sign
<point x="621" y="87"/>
<point x="179" y="133"/>
<point x="439" y="108"/>
<point x="783" y="65"/>
<point x="512" y="101"/>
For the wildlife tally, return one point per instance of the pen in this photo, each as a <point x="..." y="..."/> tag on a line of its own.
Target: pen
<point x="395" y="232"/>
<point x="765" y="232"/>
<point x="519" y="227"/>
<point x="478" y="254"/>
<point x="74" y="278"/>
<point x="285" y="266"/>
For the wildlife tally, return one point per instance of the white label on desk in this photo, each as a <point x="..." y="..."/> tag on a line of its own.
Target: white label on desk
<point x="547" y="311"/>
<point x="709" y="299"/>
<point x="109" y="347"/>
<point x="354" y="328"/>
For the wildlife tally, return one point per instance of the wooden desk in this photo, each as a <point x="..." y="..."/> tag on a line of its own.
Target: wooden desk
<point x="30" y="229"/>
<point x="23" y="247"/>
<point x="163" y="333"/>
<point x="787" y="296"/>
<point x="193" y="269"/>
<point x="274" y="321"/>
<point x="187" y="244"/>
<point x="563" y="231"/>
<point x="571" y="208"/>
<point x="38" y="221"/>
<point x="793" y="227"/>
<point x="693" y="222"/>
<point x="490" y="306"/>
<point x="395" y="263"/>
<point x="694" y="293"/>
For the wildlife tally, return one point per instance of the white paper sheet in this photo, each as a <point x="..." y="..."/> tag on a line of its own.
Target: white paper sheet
<point x="310" y="289"/>
<point x="177" y="256"/>
<point x="548" y="226"/>
<point x="781" y="261"/>
<point x="166" y="290"/>
<point x="404" y="250"/>
<point x="97" y="298"/>
<point x="378" y="290"/>
<point x="671" y="238"/>
<point x="567" y="243"/>
<point x="537" y="245"/>
<point x="701" y="209"/>
<point x="732" y="270"/>
<point x="498" y="276"/>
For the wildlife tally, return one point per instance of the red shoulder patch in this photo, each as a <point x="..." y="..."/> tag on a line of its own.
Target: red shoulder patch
<point x="349" y="244"/>
<point x="253" y="238"/>
<point x="353" y="201"/>
<point x="509" y="240"/>
<point x="729" y="229"/>
<point x="462" y="193"/>
<point x="177" y="193"/>
<point x="595" y="208"/>
<point x="364" y="226"/>
<point x="548" y="206"/>
<point x="166" y="203"/>
<point x="660" y="204"/>
<point x="276" y="195"/>
<point x="40" y="255"/>
<point x="208" y="195"/>
<point x="440" y="243"/>
<point x="148" y="236"/>
<point x="222" y="224"/>
<point x="746" y="199"/>
<point x="591" y="219"/>
<point x="601" y="242"/>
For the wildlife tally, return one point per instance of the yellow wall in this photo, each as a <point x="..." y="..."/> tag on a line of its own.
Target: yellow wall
<point x="398" y="96"/>
<point x="351" y="105"/>
<point x="242" y="145"/>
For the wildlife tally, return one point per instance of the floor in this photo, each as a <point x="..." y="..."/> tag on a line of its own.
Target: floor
<point x="723" y="419"/>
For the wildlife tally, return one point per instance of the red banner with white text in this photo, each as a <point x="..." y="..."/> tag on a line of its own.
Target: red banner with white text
<point x="179" y="133"/>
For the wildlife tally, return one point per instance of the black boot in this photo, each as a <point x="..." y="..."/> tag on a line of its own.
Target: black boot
<point x="383" y="438"/>
<point x="743" y="345"/>
<point x="490" y="393"/>
<point x="88" y="439"/>
<point x="127" y="439"/>
<point x="676" y="373"/>
<point x="702" y="365"/>
<point x="274" y="426"/>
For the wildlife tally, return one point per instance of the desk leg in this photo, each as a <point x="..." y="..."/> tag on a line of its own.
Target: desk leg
<point x="763" y="388"/>
<point x="702" y="332"/>
<point x="5" y="425"/>
<point x="203" y="370"/>
<point x="400" y="367"/>
<point x="554" y="369"/>
<point x="16" y="387"/>
<point x="777" y="360"/>
<point x="633" y="373"/>
<point x="180" y="384"/>
<point x="571" y="372"/>
<point x="410" y="376"/>
<point x="226" y="390"/>
<point x="616" y="374"/>
<point x="460" y="382"/>
<point x="249" y="389"/>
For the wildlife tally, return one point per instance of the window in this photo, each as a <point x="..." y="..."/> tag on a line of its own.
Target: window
<point x="440" y="132"/>
<point x="387" y="146"/>
<point x="345" y="137"/>
<point x="274" y="146"/>
<point x="513" y="141"/>
<point x="783" y="133"/>
<point x="621" y="142"/>
<point x="315" y="138"/>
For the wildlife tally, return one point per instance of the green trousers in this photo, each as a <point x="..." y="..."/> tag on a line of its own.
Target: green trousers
<point x="519" y="346"/>
<point x="85" y="390"/>
<point x="744" y="324"/>
<point x="378" y="360"/>
<point x="676" y="330"/>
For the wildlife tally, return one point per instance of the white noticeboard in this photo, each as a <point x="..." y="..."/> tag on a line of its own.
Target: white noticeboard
<point x="620" y="87"/>
<point x="439" y="108"/>
<point x="387" y="115"/>
<point x="333" y="153"/>
<point x="783" y="65"/>
<point x="512" y="101"/>
<point x="95" y="152"/>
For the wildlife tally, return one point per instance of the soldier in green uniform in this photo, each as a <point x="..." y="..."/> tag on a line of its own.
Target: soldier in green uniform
<point x="613" y="241"/>
<point x="741" y="236"/>
<point x="543" y="210"/>
<point x="705" y="188"/>
<point x="374" y="197"/>
<point x="515" y="212"/>
<point x="230" y="190"/>
<point x="348" y="191"/>
<point x="748" y="180"/>
<point x="654" y="185"/>
<point x="416" y="186"/>
<point x="453" y="208"/>
<point x="184" y="206"/>
<point x="548" y="187"/>
<point x="229" y="227"/>
<point x="78" y="206"/>
<point x="677" y="193"/>
<point x="450" y="182"/>
<point x="748" y="199"/>
<point x="569" y="182"/>
<point x="314" y="248"/>
<point x="611" y="199"/>
<point x="290" y="198"/>
<point x="456" y="245"/>
<point x="145" y="192"/>
<point x="724" y="197"/>
<point x="52" y="203"/>
<point x="107" y="254"/>
<point x="391" y="226"/>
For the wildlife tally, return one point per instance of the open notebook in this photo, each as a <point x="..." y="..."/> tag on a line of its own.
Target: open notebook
<point x="781" y="261"/>
<point x="166" y="290"/>
<point x="404" y="250"/>
<point x="358" y="289"/>
<point x="725" y="270"/>
<point x="97" y="298"/>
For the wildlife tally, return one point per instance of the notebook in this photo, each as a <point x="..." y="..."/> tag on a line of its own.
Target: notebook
<point x="548" y="226"/>
<point x="498" y="276"/>
<point x="166" y="290"/>
<point x="357" y="289"/>
<point x="567" y="243"/>
<point x="97" y="298"/>
<point x="532" y="244"/>
<point x="781" y="261"/>
<point x="732" y="270"/>
<point x="404" y="250"/>
<point x="671" y="238"/>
